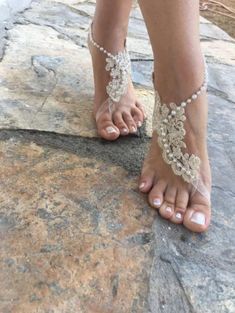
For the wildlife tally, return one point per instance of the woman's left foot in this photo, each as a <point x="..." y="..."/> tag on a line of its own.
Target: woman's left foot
<point x="170" y="194"/>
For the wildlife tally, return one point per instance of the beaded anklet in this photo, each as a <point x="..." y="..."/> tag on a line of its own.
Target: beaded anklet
<point x="169" y="123"/>
<point x="119" y="66"/>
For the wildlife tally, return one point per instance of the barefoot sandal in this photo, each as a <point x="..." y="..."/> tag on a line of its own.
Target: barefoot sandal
<point x="119" y="66"/>
<point x="168" y="121"/>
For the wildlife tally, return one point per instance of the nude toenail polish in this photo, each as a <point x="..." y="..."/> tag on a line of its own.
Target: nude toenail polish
<point x="141" y="186"/>
<point x="178" y="216"/>
<point x="168" y="209"/>
<point x="110" y="130"/>
<point x="139" y="124"/>
<point x="133" y="129"/>
<point x="124" y="130"/>
<point x="157" y="202"/>
<point x="198" y="218"/>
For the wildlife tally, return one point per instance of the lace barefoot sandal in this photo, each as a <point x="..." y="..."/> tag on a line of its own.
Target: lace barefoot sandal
<point x="168" y="121"/>
<point x="119" y="66"/>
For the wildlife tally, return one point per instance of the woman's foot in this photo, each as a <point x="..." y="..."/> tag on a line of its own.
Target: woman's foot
<point x="126" y="115"/>
<point x="168" y="193"/>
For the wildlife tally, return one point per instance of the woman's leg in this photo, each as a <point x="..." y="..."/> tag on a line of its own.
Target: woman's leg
<point x="173" y="28"/>
<point x="109" y="31"/>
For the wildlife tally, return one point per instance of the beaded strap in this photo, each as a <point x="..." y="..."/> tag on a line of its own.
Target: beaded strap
<point x="169" y="124"/>
<point x="119" y="66"/>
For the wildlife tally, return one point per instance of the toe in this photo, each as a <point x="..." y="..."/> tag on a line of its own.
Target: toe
<point x="120" y="124"/>
<point x="156" y="194"/>
<point x="137" y="116"/>
<point x="106" y="129"/>
<point x="198" y="215"/>
<point x="146" y="180"/>
<point x="128" y="119"/>
<point x="167" y="209"/>
<point x="141" y="108"/>
<point x="181" y="204"/>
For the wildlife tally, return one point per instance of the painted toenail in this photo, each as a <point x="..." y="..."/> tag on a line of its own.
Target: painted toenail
<point x="141" y="186"/>
<point x="110" y="130"/>
<point x="139" y="124"/>
<point x="124" y="130"/>
<point x="178" y="216"/>
<point x="157" y="202"/>
<point x="198" y="218"/>
<point x="168" y="209"/>
<point x="133" y="129"/>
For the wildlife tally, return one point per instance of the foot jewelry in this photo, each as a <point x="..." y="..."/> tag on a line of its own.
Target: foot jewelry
<point x="119" y="66"/>
<point x="169" y="123"/>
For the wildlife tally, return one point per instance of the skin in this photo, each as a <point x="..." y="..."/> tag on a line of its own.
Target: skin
<point x="110" y="25"/>
<point x="173" y="28"/>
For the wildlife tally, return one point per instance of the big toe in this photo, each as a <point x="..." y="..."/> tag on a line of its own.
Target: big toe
<point x="106" y="128"/>
<point x="197" y="217"/>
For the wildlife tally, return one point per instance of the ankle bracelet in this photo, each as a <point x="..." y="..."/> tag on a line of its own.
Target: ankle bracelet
<point x="169" y="123"/>
<point x="119" y="66"/>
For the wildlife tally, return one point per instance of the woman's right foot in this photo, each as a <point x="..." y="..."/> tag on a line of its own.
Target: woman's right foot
<point x="126" y="115"/>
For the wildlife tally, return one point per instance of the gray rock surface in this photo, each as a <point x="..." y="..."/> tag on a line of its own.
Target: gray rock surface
<point x="76" y="235"/>
<point x="9" y="7"/>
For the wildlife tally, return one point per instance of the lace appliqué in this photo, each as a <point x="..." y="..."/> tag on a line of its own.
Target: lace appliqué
<point x="119" y="67"/>
<point x="169" y="124"/>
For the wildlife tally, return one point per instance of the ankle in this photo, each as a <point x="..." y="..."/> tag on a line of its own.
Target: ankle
<point x="111" y="37"/>
<point x="177" y="78"/>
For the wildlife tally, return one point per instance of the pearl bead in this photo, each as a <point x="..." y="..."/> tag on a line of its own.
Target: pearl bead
<point x="198" y="92"/>
<point x="167" y="150"/>
<point x="188" y="172"/>
<point x="189" y="101"/>
<point x="165" y="120"/>
<point x="178" y="108"/>
<point x="174" y="160"/>
<point x="164" y="140"/>
<point x="173" y="113"/>
<point x="194" y="97"/>
<point x="183" y="104"/>
<point x="166" y="145"/>
<point x="171" y="155"/>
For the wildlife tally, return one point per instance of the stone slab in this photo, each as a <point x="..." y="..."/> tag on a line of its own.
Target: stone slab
<point x="9" y="7"/>
<point x="43" y="88"/>
<point x="75" y="233"/>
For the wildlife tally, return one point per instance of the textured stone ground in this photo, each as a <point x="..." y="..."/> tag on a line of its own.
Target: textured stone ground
<point x="76" y="235"/>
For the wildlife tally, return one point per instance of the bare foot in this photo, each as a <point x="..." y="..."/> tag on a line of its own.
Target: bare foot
<point x="170" y="194"/>
<point x="127" y="114"/>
